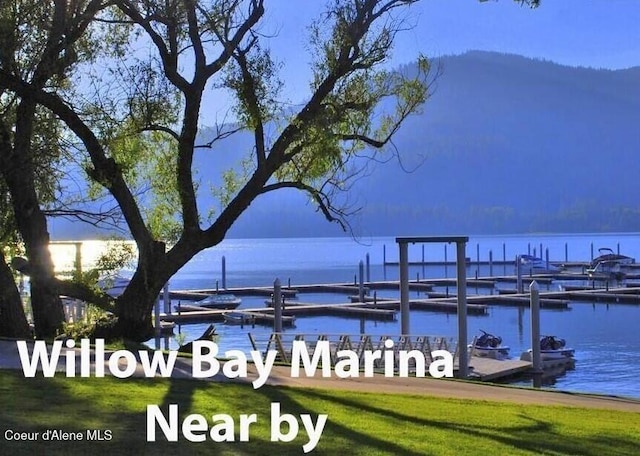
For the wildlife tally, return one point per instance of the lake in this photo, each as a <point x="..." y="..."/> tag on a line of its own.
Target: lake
<point x="605" y="337"/>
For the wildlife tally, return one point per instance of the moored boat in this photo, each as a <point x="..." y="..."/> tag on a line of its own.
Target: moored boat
<point x="551" y="348"/>
<point x="530" y="264"/>
<point x="609" y="264"/>
<point x="255" y="318"/>
<point x="236" y="318"/>
<point x="220" y="302"/>
<point x="489" y="346"/>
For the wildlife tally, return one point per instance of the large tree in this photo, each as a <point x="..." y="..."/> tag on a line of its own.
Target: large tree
<point x="40" y="43"/>
<point x="140" y="122"/>
<point x="13" y="322"/>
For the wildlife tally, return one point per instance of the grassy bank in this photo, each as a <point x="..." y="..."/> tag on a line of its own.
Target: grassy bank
<point x="360" y="423"/>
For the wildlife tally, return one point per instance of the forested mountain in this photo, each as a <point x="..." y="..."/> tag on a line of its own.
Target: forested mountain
<point x="506" y="144"/>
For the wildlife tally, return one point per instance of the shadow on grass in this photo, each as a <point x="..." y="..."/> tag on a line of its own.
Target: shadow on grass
<point x="535" y="435"/>
<point x="78" y="404"/>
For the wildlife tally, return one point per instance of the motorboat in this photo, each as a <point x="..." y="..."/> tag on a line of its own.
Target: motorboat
<point x="530" y="264"/>
<point x="609" y="263"/>
<point x="236" y="318"/>
<point x="219" y="301"/>
<point x="489" y="346"/>
<point x="255" y="318"/>
<point x="551" y="348"/>
<point x="606" y="254"/>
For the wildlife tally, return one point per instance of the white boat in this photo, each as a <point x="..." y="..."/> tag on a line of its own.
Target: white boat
<point x="551" y="348"/>
<point x="255" y="318"/>
<point x="220" y="301"/>
<point x="236" y="318"/>
<point x="489" y="346"/>
<point x="534" y="265"/>
<point x="609" y="263"/>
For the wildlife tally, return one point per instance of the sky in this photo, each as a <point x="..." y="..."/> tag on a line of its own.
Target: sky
<point x="590" y="33"/>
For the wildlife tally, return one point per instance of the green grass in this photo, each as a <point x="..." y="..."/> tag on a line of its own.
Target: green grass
<point x="358" y="423"/>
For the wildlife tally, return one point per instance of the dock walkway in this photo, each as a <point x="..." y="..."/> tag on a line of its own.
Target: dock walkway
<point x="482" y="368"/>
<point x="385" y="308"/>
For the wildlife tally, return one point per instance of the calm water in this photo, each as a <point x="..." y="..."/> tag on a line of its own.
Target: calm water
<point x="605" y="337"/>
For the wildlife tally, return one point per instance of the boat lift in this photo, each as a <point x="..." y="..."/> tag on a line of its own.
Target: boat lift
<point x="461" y="280"/>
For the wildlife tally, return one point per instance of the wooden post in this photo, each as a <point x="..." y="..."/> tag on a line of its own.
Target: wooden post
<point x="156" y="314"/>
<point x="536" y="359"/>
<point x="504" y="258"/>
<point x="404" y="289"/>
<point x="546" y="256"/>
<point x="463" y="361"/>
<point x="156" y="322"/>
<point x="277" y="307"/>
<point x="224" y="273"/>
<point x="566" y="252"/>
<point x="166" y="299"/>
<point x="446" y="263"/>
<point x="361" y="281"/>
<point x="519" y="287"/>
<point x="490" y="263"/>
<point x="368" y="260"/>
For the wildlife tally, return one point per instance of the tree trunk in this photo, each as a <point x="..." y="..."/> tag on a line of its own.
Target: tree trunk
<point x="135" y="307"/>
<point x="17" y="168"/>
<point x="48" y="314"/>
<point x="134" y="319"/>
<point x="13" y="322"/>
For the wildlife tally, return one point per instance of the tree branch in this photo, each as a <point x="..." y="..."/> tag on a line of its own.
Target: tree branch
<point x="105" y="169"/>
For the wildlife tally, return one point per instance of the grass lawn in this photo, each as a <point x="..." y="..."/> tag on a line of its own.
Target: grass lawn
<point x="357" y="424"/>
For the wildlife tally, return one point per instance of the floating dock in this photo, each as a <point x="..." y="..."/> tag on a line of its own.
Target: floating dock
<point x="385" y="308"/>
<point x="489" y="369"/>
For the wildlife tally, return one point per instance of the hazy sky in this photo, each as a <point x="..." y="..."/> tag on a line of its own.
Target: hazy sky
<point x="596" y="33"/>
<point x="592" y="33"/>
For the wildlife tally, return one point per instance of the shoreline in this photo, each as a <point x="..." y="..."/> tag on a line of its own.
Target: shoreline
<point x="443" y="388"/>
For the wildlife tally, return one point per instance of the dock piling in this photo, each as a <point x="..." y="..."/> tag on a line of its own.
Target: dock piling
<point x="491" y="263"/>
<point x="277" y="307"/>
<point x="361" y="281"/>
<point x="519" y="287"/>
<point x="536" y="359"/>
<point x="368" y="261"/>
<point x="463" y="360"/>
<point x="166" y="299"/>
<point x="224" y="273"/>
<point x="404" y="288"/>
<point x="446" y="262"/>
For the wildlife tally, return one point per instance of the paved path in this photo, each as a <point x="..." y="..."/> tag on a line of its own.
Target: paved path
<point x="280" y="375"/>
